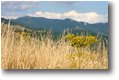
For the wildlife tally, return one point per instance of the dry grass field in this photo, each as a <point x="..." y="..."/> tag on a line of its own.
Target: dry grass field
<point x="25" y="52"/>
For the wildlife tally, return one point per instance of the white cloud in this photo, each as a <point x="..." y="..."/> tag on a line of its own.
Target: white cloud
<point x="90" y="17"/>
<point x="10" y="17"/>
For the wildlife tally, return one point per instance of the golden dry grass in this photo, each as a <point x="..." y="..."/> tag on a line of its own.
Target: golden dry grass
<point x="31" y="53"/>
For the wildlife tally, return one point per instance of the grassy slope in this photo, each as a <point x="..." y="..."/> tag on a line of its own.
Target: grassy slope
<point x="19" y="52"/>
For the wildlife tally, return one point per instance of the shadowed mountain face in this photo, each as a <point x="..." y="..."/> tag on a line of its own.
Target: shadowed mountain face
<point x="58" y="25"/>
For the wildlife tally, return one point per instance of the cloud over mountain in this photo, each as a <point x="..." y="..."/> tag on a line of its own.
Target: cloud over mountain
<point x="90" y="17"/>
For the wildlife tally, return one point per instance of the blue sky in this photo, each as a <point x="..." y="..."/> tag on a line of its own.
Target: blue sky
<point x="20" y="8"/>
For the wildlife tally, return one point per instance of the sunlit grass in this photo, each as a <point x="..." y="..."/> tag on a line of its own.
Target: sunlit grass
<point x="20" y="51"/>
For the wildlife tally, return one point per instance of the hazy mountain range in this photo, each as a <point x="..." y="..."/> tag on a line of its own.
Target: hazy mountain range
<point x="58" y="25"/>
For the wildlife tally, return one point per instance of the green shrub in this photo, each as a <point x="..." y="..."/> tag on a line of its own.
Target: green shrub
<point x="81" y="41"/>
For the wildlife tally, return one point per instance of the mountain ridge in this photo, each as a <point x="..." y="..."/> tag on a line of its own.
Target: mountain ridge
<point x="38" y="23"/>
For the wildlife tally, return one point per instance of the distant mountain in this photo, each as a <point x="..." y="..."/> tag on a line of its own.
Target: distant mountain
<point x="6" y="21"/>
<point x="58" y="25"/>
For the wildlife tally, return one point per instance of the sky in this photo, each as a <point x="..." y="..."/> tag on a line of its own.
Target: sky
<point x="86" y="11"/>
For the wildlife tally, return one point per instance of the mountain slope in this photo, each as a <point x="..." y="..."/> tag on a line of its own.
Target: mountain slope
<point x="58" y="25"/>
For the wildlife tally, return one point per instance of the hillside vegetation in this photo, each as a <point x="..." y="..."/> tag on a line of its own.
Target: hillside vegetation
<point x="20" y="50"/>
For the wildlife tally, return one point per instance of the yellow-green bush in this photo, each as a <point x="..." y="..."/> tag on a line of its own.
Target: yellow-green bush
<point x="81" y="41"/>
<point x="69" y="36"/>
<point x="24" y="35"/>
